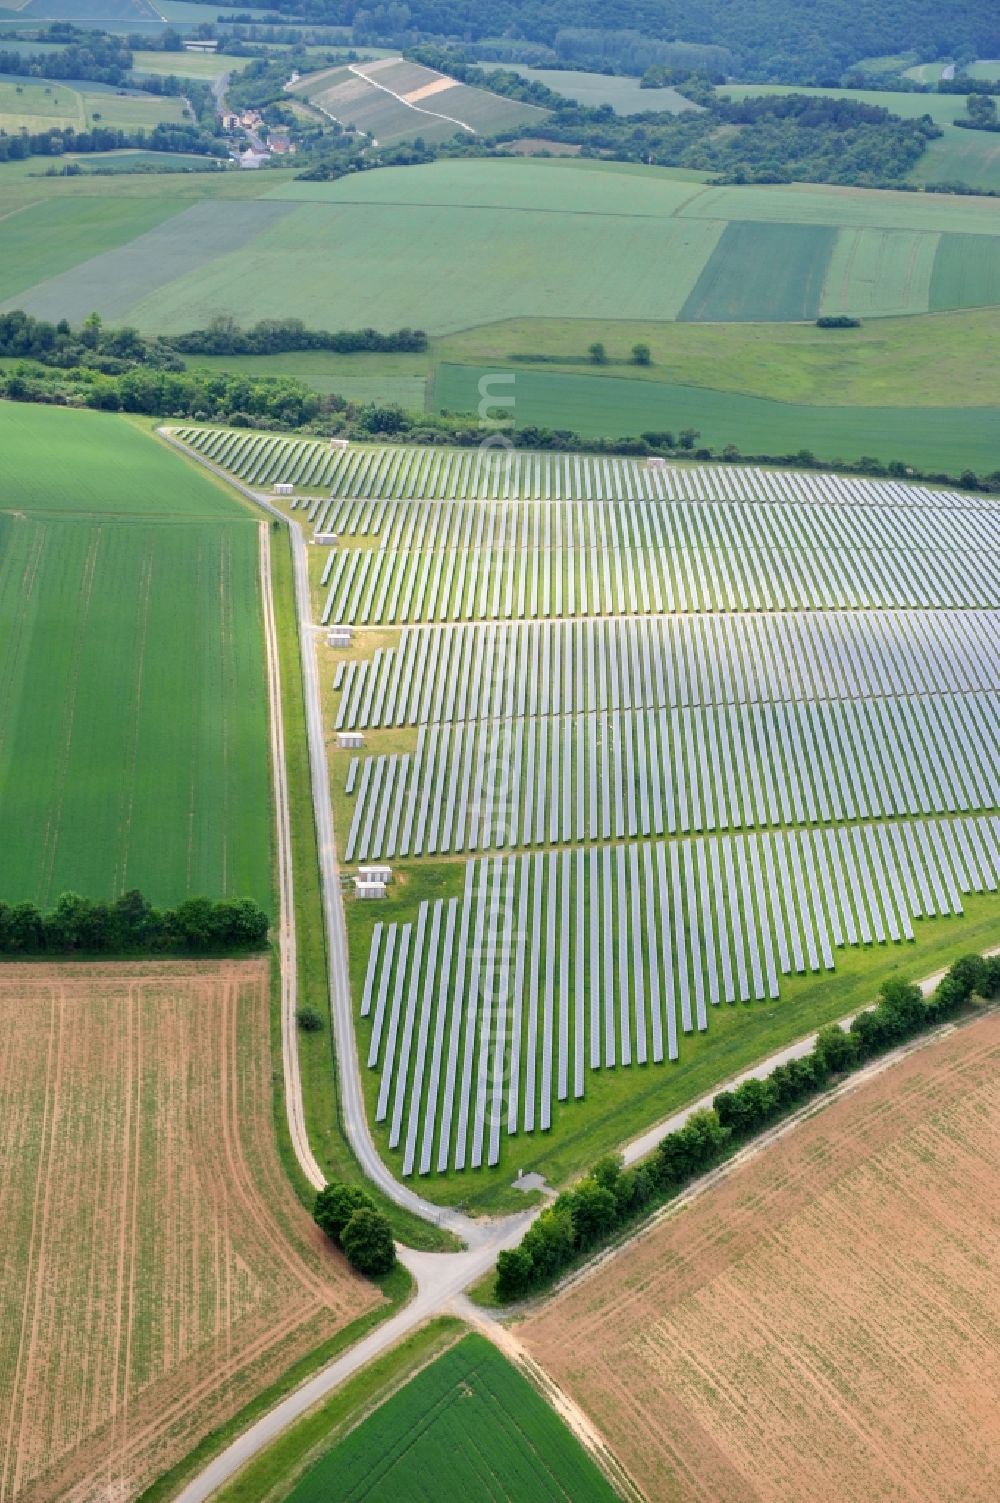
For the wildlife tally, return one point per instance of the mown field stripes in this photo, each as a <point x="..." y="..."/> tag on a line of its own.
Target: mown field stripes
<point x="651" y="937"/>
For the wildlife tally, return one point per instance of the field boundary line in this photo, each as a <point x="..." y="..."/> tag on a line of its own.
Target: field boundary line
<point x="576" y="1419"/>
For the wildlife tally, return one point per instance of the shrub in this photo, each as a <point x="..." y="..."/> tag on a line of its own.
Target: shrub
<point x="309" y="1020"/>
<point x="838" y="1050"/>
<point x="335" y="1204"/>
<point x="515" y="1273"/>
<point x="367" y="1242"/>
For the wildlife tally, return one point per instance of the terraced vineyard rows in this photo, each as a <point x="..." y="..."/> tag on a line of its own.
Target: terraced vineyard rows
<point x="720" y="724"/>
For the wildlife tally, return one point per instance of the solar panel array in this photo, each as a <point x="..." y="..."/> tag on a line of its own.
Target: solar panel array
<point x="684" y="731"/>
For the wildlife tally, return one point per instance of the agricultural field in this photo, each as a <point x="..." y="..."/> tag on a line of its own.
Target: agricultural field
<point x="133" y="748"/>
<point x="822" y="1324"/>
<point x="594" y="89"/>
<point x="936" y="438"/>
<point x="467" y="1426"/>
<point x="446" y="246"/>
<point x="37" y="106"/>
<point x="157" y="1269"/>
<point x="988" y="68"/>
<point x="394" y="100"/>
<point x="738" y="281"/>
<point x="961" y="156"/>
<point x="884" y="363"/>
<point x="633" y="734"/>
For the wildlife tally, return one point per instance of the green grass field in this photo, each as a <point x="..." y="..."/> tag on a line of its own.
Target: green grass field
<point x="593" y="89"/>
<point x="468" y="1426"/>
<point x="37" y="106"/>
<point x="988" y="68"/>
<point x="961" y="156"/>
<point x="43" y="237"/>
<point x="458" y="244"/>
<point x="133" y="748"/>
<point x="931" y="437"/>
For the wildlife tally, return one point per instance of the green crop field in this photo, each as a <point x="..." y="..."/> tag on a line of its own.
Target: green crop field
<point x="961" y="156"/>
<point x="988" y="68"/>
<point x="592" y="89"/>
<point x="37" y="106"/>
<point x="933" y="437"/>
<point x="966" y="273"/>
<point x="133" y="744"/>
<point x="41" y="239"/>
<point x="875" y="273"/>
<point x="463" y="243"/>
<point x="200" y="236"/>
<point x="762" y="273"/>
<point x="468" y="1426"/>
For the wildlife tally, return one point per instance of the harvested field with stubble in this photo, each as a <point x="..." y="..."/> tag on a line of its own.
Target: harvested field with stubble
<point x="823" y="1324"/>
<point x="156" y="1270"/>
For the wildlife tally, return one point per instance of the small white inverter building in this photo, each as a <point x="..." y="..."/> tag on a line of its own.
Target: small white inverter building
<point x="283" y="488"/>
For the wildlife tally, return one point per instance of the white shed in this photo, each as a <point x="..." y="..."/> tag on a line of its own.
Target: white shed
<point x="376" y="873"/>
<point x="369" y="889"/>
<point x="325" y="538"/>
<point x="283" y="488"/>
<point x="338" y="636"/>
<point x="350" y="740"/>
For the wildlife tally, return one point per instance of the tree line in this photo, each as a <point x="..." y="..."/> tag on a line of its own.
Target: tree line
<point x="273" y="336"/>
<point x="130" y="925"/>
<point x="59" y="140"/>
<point x="767" y="40"/>
<point x="611" y="1198"/>
<point x="113" y="350"/>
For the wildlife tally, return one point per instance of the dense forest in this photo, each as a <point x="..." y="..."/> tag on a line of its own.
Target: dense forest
<point x="791" y="41"/>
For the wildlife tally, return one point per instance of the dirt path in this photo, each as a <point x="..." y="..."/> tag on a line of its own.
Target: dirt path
<point x="287" y="949"/>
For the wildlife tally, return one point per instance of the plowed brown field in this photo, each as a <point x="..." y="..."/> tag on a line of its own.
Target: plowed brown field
<point x="824" y="1326"/>
<point x="155" y="1268"/>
